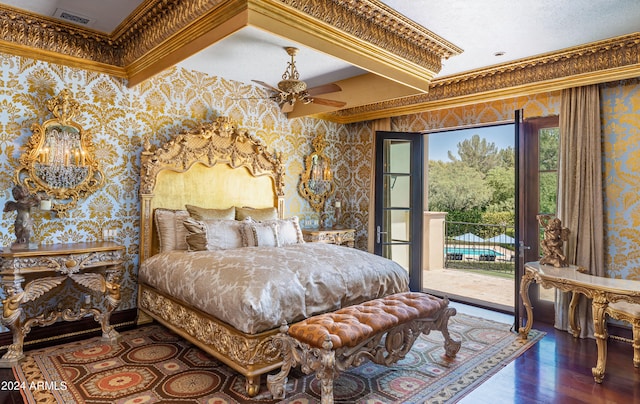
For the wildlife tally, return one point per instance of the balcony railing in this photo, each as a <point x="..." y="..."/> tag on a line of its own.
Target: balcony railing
<point x="479" y="246"/>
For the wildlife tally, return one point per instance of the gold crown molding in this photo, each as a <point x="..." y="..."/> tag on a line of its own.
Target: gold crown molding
<point x="43" y="33"/>
<point x="53" y="57"/>
<point x="373" y="22"/>
<point x="613" y="59"/>
<point x="204" y="31"/>
<point x="159" y="22"/>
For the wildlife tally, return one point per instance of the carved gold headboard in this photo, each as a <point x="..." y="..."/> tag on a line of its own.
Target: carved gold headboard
<point x="214" y="166"/>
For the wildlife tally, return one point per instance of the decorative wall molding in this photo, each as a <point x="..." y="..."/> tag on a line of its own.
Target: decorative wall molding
<point x="23" y="29"/>
<point x="612" y="59"/>
<point x="154" y="22"/>
<point x="381" y="26"/>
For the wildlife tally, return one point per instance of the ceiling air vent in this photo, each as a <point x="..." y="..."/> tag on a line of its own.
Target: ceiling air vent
<point x="74" y="18"/>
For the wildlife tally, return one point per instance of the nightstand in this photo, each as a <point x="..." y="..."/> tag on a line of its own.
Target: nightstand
<point x="93" y="268"/>
<point x="345" y="237"/>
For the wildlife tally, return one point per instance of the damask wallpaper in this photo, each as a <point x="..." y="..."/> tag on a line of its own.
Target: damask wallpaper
<point x="620" y="103"/>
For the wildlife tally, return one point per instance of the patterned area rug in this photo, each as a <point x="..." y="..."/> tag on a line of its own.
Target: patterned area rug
<point x="153" y="365"/>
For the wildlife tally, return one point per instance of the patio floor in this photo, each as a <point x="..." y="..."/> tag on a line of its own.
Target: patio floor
<point x="481" y="287"/>
<point x="485" y="288"/>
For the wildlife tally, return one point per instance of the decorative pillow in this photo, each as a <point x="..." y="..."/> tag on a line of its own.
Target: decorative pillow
<point x="211" y="235"/>
<point x="199" y="213"/>
<point x="263" y="234"/>
<point x="259" y="215"/>
<point x="171" y="233"/>
<point x="289" y="231"/>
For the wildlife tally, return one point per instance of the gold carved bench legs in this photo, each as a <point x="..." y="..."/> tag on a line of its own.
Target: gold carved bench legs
<point x="327" y="363"/>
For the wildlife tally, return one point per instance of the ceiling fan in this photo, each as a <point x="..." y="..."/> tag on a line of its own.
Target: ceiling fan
<point x="291" y="89"/>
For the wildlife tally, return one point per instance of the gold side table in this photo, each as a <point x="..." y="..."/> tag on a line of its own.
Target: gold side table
<point x="345" y="237"/>
<point x="96" y="267"/>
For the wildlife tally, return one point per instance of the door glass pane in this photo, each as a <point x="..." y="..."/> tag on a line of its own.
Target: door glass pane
<point x="397" y="156"/>
<point x="548" y="194"/>
<point x="399" y="227"/>
<point x="398" y="191"/>
<point x="548" y="152"/>
<point x="399" y="253"/>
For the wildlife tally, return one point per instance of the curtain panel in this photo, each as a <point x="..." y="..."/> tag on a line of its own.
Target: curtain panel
<point x="580" y="194"/>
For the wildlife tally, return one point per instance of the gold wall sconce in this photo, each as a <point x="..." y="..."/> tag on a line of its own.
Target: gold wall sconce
<point x="58" y="163"/>
<point x="316" y="184"/>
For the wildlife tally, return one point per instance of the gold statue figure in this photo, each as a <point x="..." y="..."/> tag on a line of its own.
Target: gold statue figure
<point x="554" y="236"/>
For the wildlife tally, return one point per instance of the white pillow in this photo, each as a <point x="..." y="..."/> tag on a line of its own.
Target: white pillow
<point x="214" y="234"/>
<point x="259" y="234"/>
<point x="289" y="231"/>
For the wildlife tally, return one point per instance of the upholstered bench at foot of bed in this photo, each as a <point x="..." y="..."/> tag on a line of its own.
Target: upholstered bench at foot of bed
<point x="381" y="330"/>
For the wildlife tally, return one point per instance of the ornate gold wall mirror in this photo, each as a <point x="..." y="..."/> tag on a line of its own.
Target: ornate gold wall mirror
<point x="58" y="163"/>
<point x="316" y="184"/>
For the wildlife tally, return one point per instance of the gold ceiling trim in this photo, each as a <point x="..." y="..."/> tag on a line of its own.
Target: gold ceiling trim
<point x="373" y="22"/>
<point x="158" y="22"/>
<point x="612" y="59"/>
<point x="44" y="33"/>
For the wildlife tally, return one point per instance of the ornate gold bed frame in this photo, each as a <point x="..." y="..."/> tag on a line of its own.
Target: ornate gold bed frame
<point x="214" y="166"/>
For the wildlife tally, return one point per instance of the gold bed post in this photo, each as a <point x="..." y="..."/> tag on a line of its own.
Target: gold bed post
<point x="145" y="205"/>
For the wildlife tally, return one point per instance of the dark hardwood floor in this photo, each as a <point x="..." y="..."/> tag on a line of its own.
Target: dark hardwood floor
<point x="555" y="370"/>
<point x="558" y="370"/>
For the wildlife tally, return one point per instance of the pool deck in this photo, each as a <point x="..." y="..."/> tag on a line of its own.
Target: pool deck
<point x="481" y="287"/>
<point x="485" y="288"/>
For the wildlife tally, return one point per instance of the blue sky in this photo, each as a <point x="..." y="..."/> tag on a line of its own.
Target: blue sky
<point x="441" y="142"/>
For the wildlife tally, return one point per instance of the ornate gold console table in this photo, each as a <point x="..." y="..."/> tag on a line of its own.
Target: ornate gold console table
<point x="602" y="290"/>
<point x="96" y="267"/>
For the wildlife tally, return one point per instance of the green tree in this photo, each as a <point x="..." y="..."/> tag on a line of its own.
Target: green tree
<point x="477" y="153"/>
<point x="507" y="157"/>
<point x="502" y="182"/>
<point x="500" y="218"/>
<point x="549" y="145"/>
<point x="548" y="192"/>
<point x="455" y="186"/>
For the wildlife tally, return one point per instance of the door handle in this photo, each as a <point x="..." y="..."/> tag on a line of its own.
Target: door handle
<point x="378" y="234"/>
<point x="521" y="248"/>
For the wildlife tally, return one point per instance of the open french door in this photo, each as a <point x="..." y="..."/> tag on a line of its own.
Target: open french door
<point x="538" y="151"/>
<point x="399" y="200"/>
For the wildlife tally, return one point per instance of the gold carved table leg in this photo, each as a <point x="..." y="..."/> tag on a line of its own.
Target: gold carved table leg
<point x="599" y="306"/>
<point x="527" y="278"/>
<point x="112" y="283"/>
<point x="108" y="288"/>
<point x="12" y="317"/>
<point x="573" y="321"/>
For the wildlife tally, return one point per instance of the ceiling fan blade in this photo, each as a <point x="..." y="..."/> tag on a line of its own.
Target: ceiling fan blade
<point x="324" y="89"/>
<point x="330" y="103"/>
<point x="286" y="107"/>
<point x="263" y="84"/>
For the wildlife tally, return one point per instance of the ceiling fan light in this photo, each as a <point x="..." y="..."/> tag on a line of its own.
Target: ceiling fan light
<point x="292" y="86"/>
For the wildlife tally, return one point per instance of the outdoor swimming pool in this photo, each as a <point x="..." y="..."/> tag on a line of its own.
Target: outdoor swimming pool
<point x="472" y="251"/>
